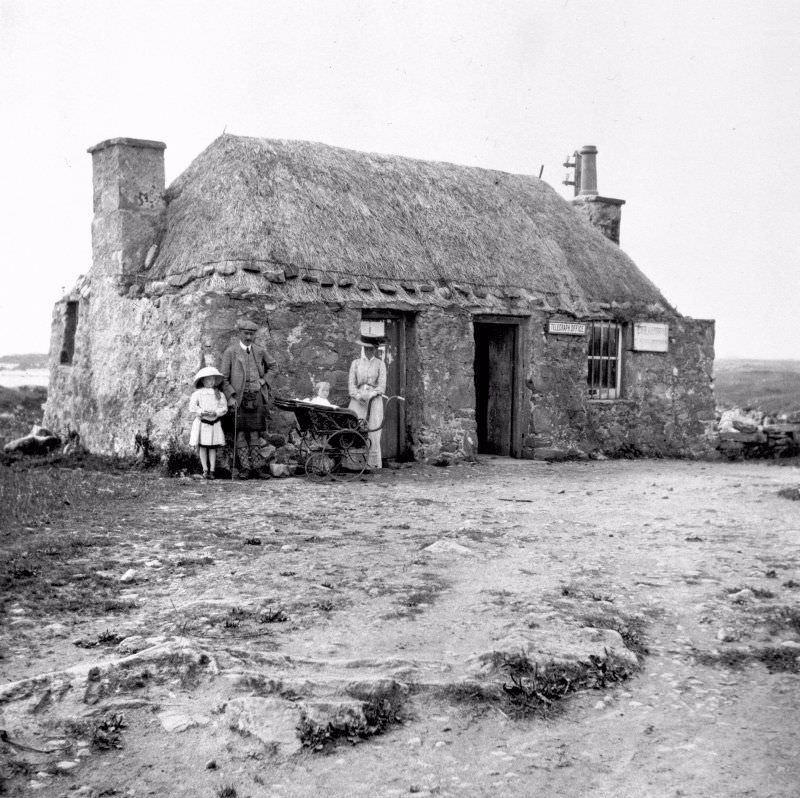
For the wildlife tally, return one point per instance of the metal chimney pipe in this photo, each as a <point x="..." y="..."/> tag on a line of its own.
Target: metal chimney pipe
<point x="588" y="169"/>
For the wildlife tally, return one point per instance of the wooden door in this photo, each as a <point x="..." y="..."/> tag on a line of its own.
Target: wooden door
<point x="495" y="387"/>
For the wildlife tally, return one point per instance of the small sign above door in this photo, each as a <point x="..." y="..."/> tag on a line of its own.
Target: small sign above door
<point x="373" y="328"/>
<point x="566" y="328"/>
<point x="650" y="337"/>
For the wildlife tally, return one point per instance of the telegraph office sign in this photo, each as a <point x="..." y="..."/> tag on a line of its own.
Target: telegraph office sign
<point x="566" y="328"/>
<point x="650" y="337"/>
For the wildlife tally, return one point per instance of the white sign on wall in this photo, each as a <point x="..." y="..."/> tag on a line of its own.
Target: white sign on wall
<point x="566" y="328"/>
<point x="373" y="329"/>
<point x="650" y="336"/>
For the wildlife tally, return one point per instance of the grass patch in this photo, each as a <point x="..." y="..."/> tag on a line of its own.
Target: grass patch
<point x="777" y="659"/>
<point x="577" y="592"/>
<point x="758" y="592"/>
<point x="233" y="623"/>
<point x="419" y="597"/>
<point x="39" y="491"/>
<point x="784" y="618"/>
<point x="107" y="734"/>
<point x="38" y="572"/>
<point x="20" y="409"/>
<point x="49" y="564"/>
<point x="106" y="638"/>
<point x="536" y="690"/>
<point x="530" y="690"/>
<point x="631" y="628"/>
<point x="378" y="714"/>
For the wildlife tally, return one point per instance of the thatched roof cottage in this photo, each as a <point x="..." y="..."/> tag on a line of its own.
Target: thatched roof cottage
<point x="515" y="325"/>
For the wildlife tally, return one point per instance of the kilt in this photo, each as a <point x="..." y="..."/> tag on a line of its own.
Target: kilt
<point x="252" y="413"/>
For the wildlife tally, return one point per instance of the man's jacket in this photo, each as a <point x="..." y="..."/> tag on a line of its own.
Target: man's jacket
<point x="234" y="365"/>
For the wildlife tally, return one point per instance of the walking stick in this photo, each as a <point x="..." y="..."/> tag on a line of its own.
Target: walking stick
<point x="235" y="424"/>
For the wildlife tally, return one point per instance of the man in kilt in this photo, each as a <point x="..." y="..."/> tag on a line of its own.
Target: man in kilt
<point x="244" y="367"/>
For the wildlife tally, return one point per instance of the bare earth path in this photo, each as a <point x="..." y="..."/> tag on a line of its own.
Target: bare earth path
<point x="259" y="608"/>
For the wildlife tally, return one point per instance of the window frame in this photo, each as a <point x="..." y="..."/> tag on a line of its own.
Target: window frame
<point x="599" y="389"/>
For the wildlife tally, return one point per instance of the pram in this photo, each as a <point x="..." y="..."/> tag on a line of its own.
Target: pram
<point x="333" y="441"/>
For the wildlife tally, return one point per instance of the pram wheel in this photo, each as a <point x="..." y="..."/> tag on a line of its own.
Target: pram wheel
<point x="319" y="466"/>
<point x="346" y="450"/>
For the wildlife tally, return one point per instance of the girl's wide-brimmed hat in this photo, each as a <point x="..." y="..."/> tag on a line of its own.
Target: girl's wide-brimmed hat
<point x="208" y="371"/>
<point x="369" y="340"/>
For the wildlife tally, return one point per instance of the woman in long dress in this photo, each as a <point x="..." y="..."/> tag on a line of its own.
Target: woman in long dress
<point x="368" y="379"/>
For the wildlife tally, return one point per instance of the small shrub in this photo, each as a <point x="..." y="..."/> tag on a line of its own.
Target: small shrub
<point x="106" y="734"/>
<point x="273" y="616"/>
<point x="535" y="690"/>
<point x="378" y="714"/>
<point x="176" y="460"/>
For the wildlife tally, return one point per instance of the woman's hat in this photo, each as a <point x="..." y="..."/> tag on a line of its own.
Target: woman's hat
<point x="370" y="340"/>
<point x="208" y="371"/>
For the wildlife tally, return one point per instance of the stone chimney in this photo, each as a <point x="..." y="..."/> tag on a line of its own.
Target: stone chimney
<point x="128" y="182"/>
<point x="603" y="212"/>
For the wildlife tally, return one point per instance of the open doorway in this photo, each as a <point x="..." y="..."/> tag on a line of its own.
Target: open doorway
<point x="394" y="326"/>
<point x="498" y="366"/>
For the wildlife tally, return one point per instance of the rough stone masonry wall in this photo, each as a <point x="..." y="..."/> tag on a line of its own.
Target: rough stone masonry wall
<point x="317" y="342"/>
<point x="555" y="390"/>
<point x="309" y="342"/>
<point x="131" y="372"/>
<point x="666" y="397"/>
<point x="443" y="416"/>
<point x="134" y="360"/>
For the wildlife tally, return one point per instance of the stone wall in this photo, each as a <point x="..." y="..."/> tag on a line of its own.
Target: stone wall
<point x="131" y="372"/>
<point x="666" y="397"/>
<point x="309" y="342"/>
<point x="443" y="414"/>
<point x="134" y="359"/>
<point x="555" y="389"/>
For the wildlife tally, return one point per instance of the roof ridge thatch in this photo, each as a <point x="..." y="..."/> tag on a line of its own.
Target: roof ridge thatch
<point x="310" y="207"/>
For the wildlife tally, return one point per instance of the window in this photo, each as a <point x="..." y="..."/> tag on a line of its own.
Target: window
<point x="603" y="374"/>
<point x="70" y="326"/>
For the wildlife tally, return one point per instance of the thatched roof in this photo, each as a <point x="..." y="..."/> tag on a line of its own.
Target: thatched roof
<point x="343" y="218"/>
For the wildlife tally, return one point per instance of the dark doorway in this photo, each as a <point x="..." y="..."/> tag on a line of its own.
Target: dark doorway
<point x="394" y="440"/>
<point x="496" y="356"/>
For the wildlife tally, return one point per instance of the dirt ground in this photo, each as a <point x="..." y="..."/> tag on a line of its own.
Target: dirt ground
<point x="396" y="635"/>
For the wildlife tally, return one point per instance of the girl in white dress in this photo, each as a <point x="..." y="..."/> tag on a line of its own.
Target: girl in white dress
<point x="208" y="405"/>
<point x="368" y="379"/>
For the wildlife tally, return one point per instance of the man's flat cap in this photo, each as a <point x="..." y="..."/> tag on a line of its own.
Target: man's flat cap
<point x="245" y="324"/>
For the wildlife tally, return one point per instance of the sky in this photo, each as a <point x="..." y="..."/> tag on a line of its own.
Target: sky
<point x="694" y="107"/>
